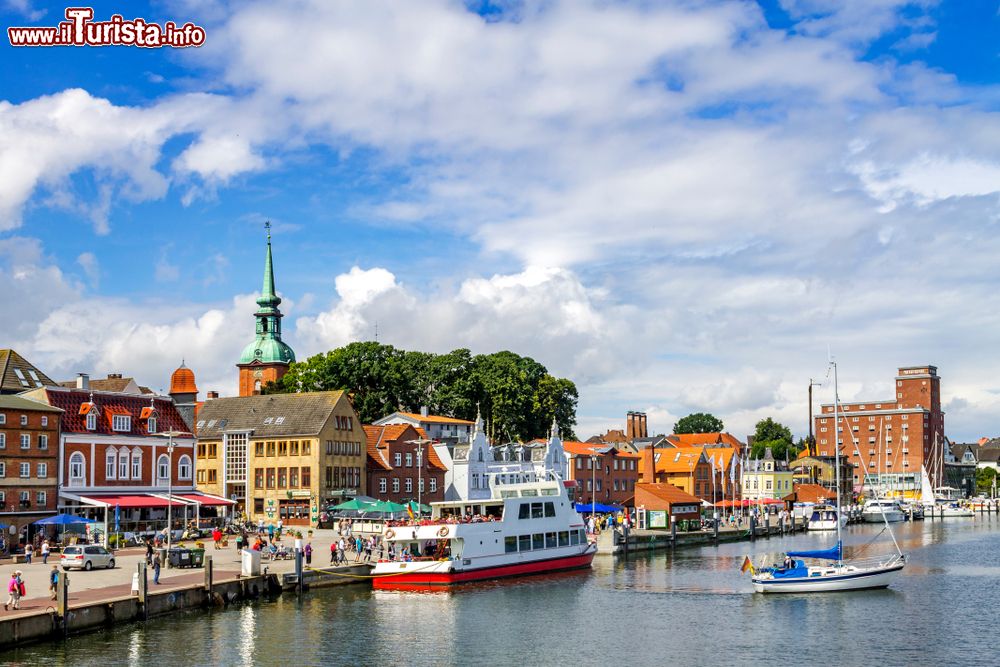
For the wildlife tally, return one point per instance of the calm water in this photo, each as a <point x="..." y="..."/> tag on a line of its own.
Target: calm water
<point x="692" y="608"/>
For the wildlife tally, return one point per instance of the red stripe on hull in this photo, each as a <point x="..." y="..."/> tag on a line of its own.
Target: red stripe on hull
<point x="513" y="570"/>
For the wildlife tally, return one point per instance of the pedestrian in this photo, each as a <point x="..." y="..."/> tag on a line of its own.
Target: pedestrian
<point x="156" y="569"/>
<point x="54" y="580"/>
<point x="13" y="591"/>
<point x="260" y="526"/>
<point x="149" y="551"/>
<point x="270" y="532"/>
<point x="29" y="550"/>
<point x="309" y="553"/>
<point x="216" y="537"/>
<point x="46" y="549"/>
<point x="281" y="525"/>
<point x="357" y="548"/>
<point x="333" y="552"/>
<point x="369" y="545"/>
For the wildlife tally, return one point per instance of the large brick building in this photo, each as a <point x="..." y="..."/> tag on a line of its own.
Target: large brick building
<point x="890" y="439"/>
<point x="603" y="473"/>
<point x="29" y="447"/>
<point x="395" y="471"/>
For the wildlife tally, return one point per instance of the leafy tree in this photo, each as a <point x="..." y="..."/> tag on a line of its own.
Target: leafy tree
<point x="984" y="479"/>
<point x="516" y="395"/>
<point x="777" y="436"/>
<point x="699" y="422"/>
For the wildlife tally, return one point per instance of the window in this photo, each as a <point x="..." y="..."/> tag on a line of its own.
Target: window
<point x="213" y="450"/>
<point x="409" y="485"/>
<point x="184" y="467"/>
<point x="3" y="469"/>
<point x="397" y="460"/>
<point x="43" y="441"/>
<point x="293" y="478"/>
<point x="110" y="461"/>
<point x="25" y="498"/>
<point x="550" y="509"/>
<point x="329" y="477"/>
<point x="282" y="478"/>
<point x="25" y="440"/>
<point x="382" y="484"/>
<point x="25" y="470"/>
<point x="3" y="441"/>
<point x="45" y="421"/>
<point x="42" y="470"/>
<point x="121" y="423"/>
<point x="213" y="476"/>
<point x="123" y="464"/>
<point x="40" y="498"/>
<point x="24" y="420"/>
<point x="409" y="460"/>
<point x="151" y="425"/>
<point x="538" y="541"/>
<point x="201" y="476"/>
<point x="329" y="446"/>
<point x="162" y="470"/>
<point x="421" y="485"/>
<point x="434" y="484"/>
<point x="3" y="419"/>
<point x="510" y="544"/>
<point x="306" y="447"/>
<point x="579" y="463"/>
<point x="293" y="448"/>
<point x="271" y="449"/>
<point x="270" y="478"/>
<point x="395" y="485"/>
<point x="76" y="469"/>
<point x="283" y="448"/>
<point x="136" y="464"/>
<point x="258" y="478"/>
<point x="91" y="421"/>
<point x="306" y="477"/>
<point x="258" y="449"/>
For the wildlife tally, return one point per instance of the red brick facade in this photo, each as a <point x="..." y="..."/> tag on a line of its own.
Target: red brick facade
<point x="254" y="376"/>
<point x="613" y="480"/>
<point x="891" y="437"/>
<point x="29" y="448"/>
<point x="391" y="468"/>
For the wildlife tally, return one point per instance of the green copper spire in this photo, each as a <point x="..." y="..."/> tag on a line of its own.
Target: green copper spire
<point x="268" y="347"/>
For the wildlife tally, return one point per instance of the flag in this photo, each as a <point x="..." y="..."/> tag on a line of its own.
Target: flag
<point x="747" y="565"/>
<point x="732" y="470"/>
<point x="409" y="509"/>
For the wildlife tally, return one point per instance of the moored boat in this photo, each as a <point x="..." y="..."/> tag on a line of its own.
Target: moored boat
<point x="881" y="510"/>
<point x="522" y="529"/>
<point x="825" y="517"/>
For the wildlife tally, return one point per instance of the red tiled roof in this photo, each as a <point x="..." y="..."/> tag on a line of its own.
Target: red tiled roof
<point x="690" y="439"/>
<point x="74" y="421"/>
<point x="669" y="493"/>
<point x="435" y="419"/>
<point x="589" y="448"/>
<point x="182" y="381"/>
<point x="377" y="435"/>
<point x="810" y="493"/>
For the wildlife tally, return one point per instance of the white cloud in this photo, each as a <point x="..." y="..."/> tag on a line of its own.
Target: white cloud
<point x="91" y="267"/>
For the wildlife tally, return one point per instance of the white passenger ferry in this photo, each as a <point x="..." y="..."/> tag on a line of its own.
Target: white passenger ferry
<point x="522" y="529"/>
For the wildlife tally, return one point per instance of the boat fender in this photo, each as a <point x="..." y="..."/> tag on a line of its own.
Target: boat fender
<point x="443" y="532"/>
<point x="389" y="534"/>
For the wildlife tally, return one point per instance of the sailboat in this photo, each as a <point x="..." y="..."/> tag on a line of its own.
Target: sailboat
<point x="831" y="572"/>
<point x="940" y="503"/>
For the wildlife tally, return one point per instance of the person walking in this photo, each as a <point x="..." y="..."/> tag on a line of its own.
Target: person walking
<point x="369" y="546"/>
<point x="270" y="532"/>
<point x="13" y="591"/>
<point x="46" y="550"/>
<point x="333" y="552"/>
<point x="54" y="581"/>
<point x="309" y="553"/>
<point x="29" y="550"/>
<point x="156" y="569"/>
<point x="216" y="537"/>
<point x="149" y="551"/>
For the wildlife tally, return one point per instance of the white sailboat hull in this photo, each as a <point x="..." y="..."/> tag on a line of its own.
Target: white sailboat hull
<point x="827" y="524"/>
<point x="844" y="578"/>
<point x="875" y="516"/>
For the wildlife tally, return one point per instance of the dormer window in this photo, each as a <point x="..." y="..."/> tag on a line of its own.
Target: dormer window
<point x="151" y="425"/>
<point x="122" y="423"/>
<point x="91" y="421"/>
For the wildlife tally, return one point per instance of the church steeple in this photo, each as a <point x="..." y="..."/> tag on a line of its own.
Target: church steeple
<point x="267" y="358"/>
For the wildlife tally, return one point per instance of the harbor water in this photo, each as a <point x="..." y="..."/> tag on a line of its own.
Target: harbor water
<point x="691" y="607"/>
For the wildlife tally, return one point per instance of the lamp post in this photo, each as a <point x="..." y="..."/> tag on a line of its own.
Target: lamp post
<point x="170" y="435"/>
<point x="419" y="444"/>
<point x="593" y="482"/>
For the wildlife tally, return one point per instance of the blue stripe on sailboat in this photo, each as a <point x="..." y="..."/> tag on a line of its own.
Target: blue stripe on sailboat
<point x="833" y="553"/>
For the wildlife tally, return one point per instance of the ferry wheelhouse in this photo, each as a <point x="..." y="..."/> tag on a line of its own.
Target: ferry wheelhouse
<point x="521" y="529"/>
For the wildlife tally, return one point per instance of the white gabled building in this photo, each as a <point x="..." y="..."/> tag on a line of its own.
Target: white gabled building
<point x="442" y="429"/>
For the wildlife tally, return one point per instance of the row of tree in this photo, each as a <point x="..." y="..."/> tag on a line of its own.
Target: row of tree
<point x="516" y="395"/>
<point x="767" y="434"/>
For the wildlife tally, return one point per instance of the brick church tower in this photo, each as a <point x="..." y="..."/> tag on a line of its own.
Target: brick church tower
<point x="267" y="358"/>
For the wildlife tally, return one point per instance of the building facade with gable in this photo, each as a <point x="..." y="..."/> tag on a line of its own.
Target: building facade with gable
<point x="29" y="449"/>
<point x="402" y="465"/>
<point x="17" y="374"/>
<point x="282" y="456"/>
<point x="437" y="427"/>
<point x="603" y="473"/>
<point x="767" y="478"/>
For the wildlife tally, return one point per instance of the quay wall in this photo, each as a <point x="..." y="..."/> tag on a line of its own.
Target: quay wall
<point x="611" y="543"/>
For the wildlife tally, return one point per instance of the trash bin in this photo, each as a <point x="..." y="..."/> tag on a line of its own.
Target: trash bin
<point x="179" y="558"/>
<point x="162" y="552"/>
<point x="251" y="563"/>
<point x="197" y="557"/>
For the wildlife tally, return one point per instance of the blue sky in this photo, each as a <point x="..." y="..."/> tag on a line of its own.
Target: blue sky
<point x="681" y="206"/>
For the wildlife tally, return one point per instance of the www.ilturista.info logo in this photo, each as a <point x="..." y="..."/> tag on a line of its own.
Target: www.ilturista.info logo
<point x="79" y="29"/>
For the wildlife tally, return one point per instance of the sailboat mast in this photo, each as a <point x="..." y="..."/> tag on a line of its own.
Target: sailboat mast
<point x="836" y="450"/>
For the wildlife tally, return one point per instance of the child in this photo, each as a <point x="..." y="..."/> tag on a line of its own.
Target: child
<point x="54" y="581"/>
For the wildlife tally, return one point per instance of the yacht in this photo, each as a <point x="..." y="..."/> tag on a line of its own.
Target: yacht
<point x="521" y="529"/>
<point x="825" y="517"/>
<point x="881" y="510"/>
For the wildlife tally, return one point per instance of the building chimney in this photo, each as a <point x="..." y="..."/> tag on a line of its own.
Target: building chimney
<point x="649" y="474"/>
<point x="644" y="428"/>
<point x="211" y="395"/>
<point x="630" y="425"/>
<point x="82" y="381"/>
<point x="424" y="412"/>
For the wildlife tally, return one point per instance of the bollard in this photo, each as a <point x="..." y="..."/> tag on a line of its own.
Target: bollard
<point x="143" y="589"/>
<point x="715" y="529"/>
<point x="767" y="524"/>
<point x="62" y="601"/>
<point x="298" y="571"/>
<point x="673" y="532"/>
<point x="753" y="528"/>
<point x="209" y="572"/>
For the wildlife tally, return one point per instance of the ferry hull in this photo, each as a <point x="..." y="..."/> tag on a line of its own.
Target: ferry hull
<point x="875" y="578"/>
<point x="431" y="578"/>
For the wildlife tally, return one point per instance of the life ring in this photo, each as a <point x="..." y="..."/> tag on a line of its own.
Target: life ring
<point x="443" y="532"/>
<point x="389" y="534"/>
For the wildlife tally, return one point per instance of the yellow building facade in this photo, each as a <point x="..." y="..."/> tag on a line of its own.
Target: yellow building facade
<point x="765" y="479"/>
<point x="281" y="456"/>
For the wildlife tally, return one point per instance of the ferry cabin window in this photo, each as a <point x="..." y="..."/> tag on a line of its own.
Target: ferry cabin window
<point x="510" y="544"/>
<point x="564" y="538"/>
<point x="550" y="540"/>
<point x="537" y="511"/>
<point x="524" y="542"/>
<point x="538" y="541"/>
<point x="574" y="537"/>
<point x="550" y="509"/>
<point x="524" y="512"/>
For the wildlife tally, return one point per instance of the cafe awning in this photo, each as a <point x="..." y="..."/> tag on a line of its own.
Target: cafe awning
<point x="138" y="500"/>
<point x="205" y="499"/>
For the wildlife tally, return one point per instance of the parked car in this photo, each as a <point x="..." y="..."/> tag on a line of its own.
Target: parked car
<point x="86" y="557"/>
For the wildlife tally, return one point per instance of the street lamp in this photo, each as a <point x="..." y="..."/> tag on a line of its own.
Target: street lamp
<point x="170" y="435"/>
<point x="419" y="443"/>
<point x="593" y="482"/>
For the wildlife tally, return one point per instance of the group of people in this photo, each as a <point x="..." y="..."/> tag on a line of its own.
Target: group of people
<point x="16" y="588"/>
<point x="44" y="550"/>
<point x="361" y="547"/>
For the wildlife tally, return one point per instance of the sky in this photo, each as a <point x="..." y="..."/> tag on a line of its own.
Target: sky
<point x="682" y="206"/>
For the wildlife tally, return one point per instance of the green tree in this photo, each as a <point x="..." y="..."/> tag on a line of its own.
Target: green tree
<point x="984" y="479"/>
<point x="777" y="436"/>
<point x="699" y="422"/>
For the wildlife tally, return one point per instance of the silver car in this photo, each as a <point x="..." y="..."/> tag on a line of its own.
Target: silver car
<point x="86" y="557"/>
